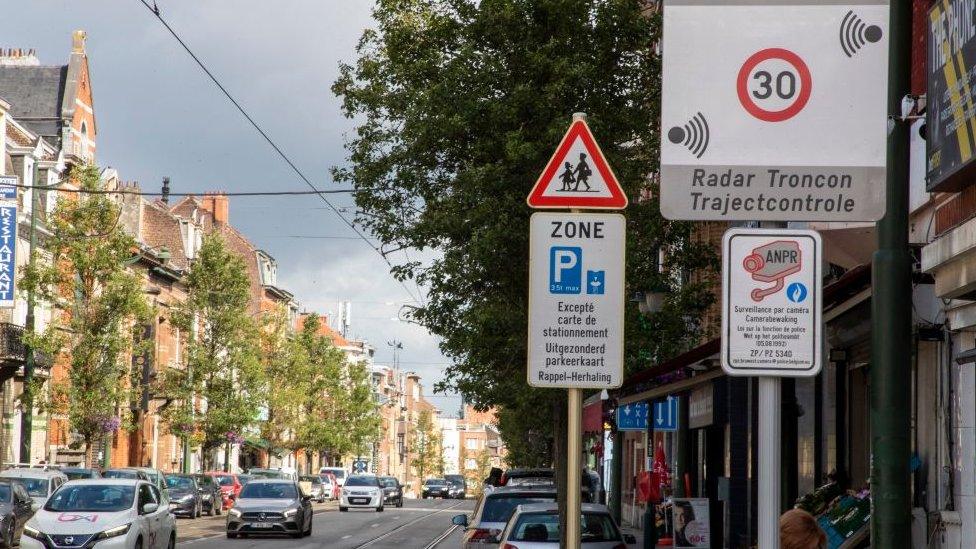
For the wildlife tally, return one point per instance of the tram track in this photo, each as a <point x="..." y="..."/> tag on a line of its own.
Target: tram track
<point x="434" y="543"/>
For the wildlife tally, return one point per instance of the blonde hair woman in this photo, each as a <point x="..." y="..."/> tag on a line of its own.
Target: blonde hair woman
<point x="799" y="530"/>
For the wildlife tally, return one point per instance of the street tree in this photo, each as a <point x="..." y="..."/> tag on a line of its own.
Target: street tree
<point x="459" y="105"/>
<point x="425" y="446"/>
<point x="286" y="367"/>
<point x="98" y="306"/>
<point x="318" y="430"/>
<point x="220" y="385"/>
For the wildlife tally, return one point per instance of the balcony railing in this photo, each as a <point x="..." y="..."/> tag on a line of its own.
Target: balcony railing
<point x="12" y="347"/>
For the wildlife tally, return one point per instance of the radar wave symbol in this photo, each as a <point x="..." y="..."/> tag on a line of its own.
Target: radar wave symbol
<point x="694" y="135"/>
<point x="855" y="34"/>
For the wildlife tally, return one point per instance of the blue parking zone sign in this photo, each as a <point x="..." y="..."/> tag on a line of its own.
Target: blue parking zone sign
<point x="565" y="269"/>
<point x="632" y="417"/>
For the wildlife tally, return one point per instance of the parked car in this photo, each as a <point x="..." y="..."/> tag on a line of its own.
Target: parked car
<point x="435" y="488"/>
<point x="312" y="486"/>
<point x="210" y="498"/>
<point x="362" y="492"/>
<point x="522" y="477"/>
<point x="338" y="472"/>
<point x="281" y="474"/>
<point x="244" y="479"/>
<point x="536" y="526"/>
<point x="229" y="485"/>
<point x="392" y="491"/>
<point x="270" y="506"/>
<point x="39" y="483"/>
<point x="459" y="489"/>
<point x="129" y="473"/>
<point x="157" y="477"/>
<point x="493" y="510"/>
<point x="184" y="495"/>
<point x="16" y="508"/>
<point x="115" y="512"/>
<point x="77" y="473"/>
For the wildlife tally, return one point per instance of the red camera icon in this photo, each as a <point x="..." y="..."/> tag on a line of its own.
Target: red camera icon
<point x="772" y="263"/>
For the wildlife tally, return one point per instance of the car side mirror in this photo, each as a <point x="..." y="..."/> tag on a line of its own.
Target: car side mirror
<point x="150" y="508"/>
<point x="630" y="539"/>
<point x="460" y="520"/>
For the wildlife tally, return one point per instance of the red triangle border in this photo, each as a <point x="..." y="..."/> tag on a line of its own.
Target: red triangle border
<point x="617" y="199"/>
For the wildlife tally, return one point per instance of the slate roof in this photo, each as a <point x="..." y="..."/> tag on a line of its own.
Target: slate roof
<point x="36" y="94"/>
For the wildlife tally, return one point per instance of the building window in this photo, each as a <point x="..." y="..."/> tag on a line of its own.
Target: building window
<point x="472" y="444"/>
<point x="470" y="463"/>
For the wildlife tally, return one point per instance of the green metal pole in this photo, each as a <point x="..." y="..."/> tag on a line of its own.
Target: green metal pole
<point x="186" y="455"/>
<point x="27" y="402"/>
<point x="616" y="474"/>
<point x="891" y="315"/>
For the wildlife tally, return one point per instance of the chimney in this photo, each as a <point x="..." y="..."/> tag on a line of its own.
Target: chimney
<point x="217" y="205"/>
<point x="78" y="41"/>
<point x="165" y="197"/>
<point x="19" y="57"/>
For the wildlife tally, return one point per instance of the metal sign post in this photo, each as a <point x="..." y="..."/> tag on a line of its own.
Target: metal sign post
<point x="576" y="290"/>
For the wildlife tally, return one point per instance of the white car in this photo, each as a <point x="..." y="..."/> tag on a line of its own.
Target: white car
<point x="339" y="472"/>
<point x="536" y="526"/>
<point x="103" y="514"/>
<point x="363" y="492"/>
<point x="39" y="483"/>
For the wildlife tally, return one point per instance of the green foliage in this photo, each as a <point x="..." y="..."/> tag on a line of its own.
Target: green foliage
<point x="287" y="367"/>
<point x="482" y="468"/>
<point x="98" y="305"/>
<point x="425" y="445"/>
<point x="222" y="369"/>
<point x="459" y="105"/>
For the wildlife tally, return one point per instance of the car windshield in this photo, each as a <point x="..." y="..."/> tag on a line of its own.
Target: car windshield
<point x="595" y="528"/>
<point x="77" y="473"/>
<point x="268" y="474"/>
<point x="91" y="498"/>
<point x="35" y="486"/>
<point x="5" y="492"/>
<point x="120" y="474"/>
<point x="389" y="483"/>
<point x="225" y="480"/>
<point x="312" y="479"/>
<point x="500" y="508"/>
<point x="179" y="483"/>
<point x="361" y="481"/>
<point x="269" y="490"/>
<point x="435" y="482"/>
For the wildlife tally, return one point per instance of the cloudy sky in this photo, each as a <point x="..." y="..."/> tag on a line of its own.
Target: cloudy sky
<point x="159" y="115"/>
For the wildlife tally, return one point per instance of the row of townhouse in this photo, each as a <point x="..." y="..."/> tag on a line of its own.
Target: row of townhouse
<point x="47" y="126"/>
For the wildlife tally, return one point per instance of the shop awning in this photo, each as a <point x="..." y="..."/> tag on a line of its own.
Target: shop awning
<point x="593" y="416"/>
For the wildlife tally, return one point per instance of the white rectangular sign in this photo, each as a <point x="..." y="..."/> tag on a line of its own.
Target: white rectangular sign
<point x="774" y="110"/>
<point x="771" y="298"/>
<point x="576" y="300"/>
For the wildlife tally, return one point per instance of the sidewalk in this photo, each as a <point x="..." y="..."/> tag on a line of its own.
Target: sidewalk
<point x="639" y="534"/>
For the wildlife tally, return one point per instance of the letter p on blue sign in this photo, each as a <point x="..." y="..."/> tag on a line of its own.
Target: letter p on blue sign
<point x="565" y="269"/>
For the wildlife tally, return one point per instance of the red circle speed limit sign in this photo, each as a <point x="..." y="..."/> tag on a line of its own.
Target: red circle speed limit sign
<point x="774" y="84"/>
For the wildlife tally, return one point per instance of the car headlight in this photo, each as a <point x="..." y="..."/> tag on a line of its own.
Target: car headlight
<point x="186" y="498"/>
<point x="32" y="532"/>
<point x="114" y="532"/>
<point x="233" y="512"/>
<point x="291" y="512"/>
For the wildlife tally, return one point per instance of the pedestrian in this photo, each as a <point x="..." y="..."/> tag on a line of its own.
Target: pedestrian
<point x="567" y="178"/>
<point x="799" y="530"/>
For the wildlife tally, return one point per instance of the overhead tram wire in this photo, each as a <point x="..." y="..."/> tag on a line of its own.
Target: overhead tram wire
<point x="156" y="13"/>
<point x="147" y="193"/>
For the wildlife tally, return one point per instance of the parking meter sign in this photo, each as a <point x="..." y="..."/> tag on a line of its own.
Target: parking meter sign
<point x="772" y="303"/>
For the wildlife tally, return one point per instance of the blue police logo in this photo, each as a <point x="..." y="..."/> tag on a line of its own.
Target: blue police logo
<point x="565" y="270"/>
<point x="796" y="292"/>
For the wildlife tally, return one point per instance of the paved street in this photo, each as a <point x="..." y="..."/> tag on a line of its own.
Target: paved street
<point x="418" y="524"/>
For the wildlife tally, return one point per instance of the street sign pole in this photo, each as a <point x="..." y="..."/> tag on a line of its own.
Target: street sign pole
<point x="574" y="443"/>
<point x="770" y="421"/>
<point x="891" y="314"/>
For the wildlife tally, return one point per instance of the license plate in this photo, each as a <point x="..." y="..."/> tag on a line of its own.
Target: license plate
<point x="358" y="500"/>
<point x="261" y="525"/>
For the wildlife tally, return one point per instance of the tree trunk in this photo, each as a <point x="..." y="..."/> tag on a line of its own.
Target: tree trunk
<point x="89" y="454"/>
<point x="227" y="448"/>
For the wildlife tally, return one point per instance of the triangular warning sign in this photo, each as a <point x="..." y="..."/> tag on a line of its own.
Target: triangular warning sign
<point x="578" y="176"/>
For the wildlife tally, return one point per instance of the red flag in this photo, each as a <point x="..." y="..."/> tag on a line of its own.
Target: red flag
<point x="660" y="475"/>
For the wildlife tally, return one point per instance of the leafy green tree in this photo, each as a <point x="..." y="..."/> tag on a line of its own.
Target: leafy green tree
<point x="482" y="467"/>
<point x="355" y="411"/>
<point x="97" y="306"/>
<point x="425" y="445"/>
<point x="317" y="430"/>
<point x="223" y="369"/>
<point x="286" y="367"/>
<point x="459" y="105"/>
